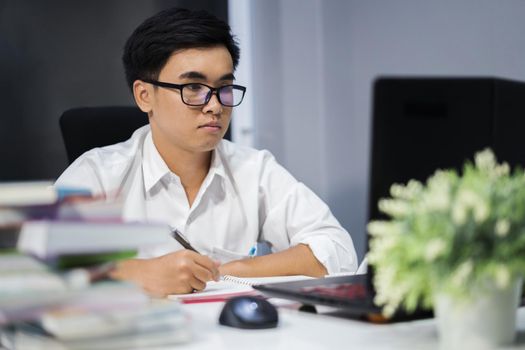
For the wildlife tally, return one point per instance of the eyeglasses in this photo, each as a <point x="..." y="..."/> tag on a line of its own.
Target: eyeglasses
<point x="197" y="94"/>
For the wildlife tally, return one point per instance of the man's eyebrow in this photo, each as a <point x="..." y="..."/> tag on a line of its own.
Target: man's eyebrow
<point x="200" y="76"/>
<point x="192" y="75"/>
<point x="228" y="76"/>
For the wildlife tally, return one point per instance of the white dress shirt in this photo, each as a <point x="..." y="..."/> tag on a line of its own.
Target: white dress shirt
<point x="246" y="197"/>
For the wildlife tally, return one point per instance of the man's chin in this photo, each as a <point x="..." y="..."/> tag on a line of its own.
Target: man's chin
<point x="210" y="145"/>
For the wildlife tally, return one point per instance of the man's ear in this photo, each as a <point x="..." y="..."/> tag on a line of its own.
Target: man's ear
<point x="143" y="95"/>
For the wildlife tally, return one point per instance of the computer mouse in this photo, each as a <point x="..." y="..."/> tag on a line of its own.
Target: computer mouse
<point x="249" y="312"/>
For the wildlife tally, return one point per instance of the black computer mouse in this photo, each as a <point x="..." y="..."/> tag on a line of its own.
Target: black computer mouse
<point x="249" y="312"/>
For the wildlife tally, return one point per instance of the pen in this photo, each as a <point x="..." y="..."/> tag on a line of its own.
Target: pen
<point x="183" y="242"/>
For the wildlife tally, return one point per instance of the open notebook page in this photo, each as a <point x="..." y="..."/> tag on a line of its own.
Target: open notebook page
<point x="230" y="286"/>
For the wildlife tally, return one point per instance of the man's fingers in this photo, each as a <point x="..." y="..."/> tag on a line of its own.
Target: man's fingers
<point x="203" y="274"/>
<point x="197" y="284"/>
<point x="208" y="264"/>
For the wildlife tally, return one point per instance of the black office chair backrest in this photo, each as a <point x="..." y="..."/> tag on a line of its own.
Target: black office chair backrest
<point x="89" y="127"/>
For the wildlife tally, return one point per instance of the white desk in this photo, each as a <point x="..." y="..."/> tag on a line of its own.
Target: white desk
<point x="303" y="331"/>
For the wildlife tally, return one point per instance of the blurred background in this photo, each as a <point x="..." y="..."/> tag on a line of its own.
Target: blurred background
<point x="308" y="65"/>
<point x="57" y="55"/>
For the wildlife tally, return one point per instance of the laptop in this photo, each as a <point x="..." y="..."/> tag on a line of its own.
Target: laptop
<point x="418" y="125"/>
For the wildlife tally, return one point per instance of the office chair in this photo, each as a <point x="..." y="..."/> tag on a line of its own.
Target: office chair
<point x="89" y="127"/>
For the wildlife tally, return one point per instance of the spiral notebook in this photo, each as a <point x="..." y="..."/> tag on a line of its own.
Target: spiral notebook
<point x="231" y="286"/>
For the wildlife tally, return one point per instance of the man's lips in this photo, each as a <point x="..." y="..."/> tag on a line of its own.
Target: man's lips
<point x="211" y="125"/>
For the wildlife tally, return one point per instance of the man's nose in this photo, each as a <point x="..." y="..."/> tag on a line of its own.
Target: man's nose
<point x="213" y="105"/>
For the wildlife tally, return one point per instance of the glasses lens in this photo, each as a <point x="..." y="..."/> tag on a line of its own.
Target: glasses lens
<point x="195" y="94"/>
<point x="231" y="96"/>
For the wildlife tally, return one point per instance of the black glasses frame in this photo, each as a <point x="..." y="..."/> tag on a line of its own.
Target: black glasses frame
<point x="208" y="96"/>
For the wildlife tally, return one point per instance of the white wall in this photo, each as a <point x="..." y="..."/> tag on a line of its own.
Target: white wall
<point x="314" y="62"/>
<point x="239" y="15"/>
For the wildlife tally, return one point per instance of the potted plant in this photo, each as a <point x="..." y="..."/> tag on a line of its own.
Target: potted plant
<point x="455" y="243"/>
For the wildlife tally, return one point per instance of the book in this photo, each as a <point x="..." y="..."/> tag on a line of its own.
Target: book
<point x="253" y="281"/>
<point x="78" y="323"/>
<point x="101" y="322"/>
<point x="30" y="304"/>
<point x="29" y="288"/>
<point x="50" y="239"/>
<point x="20" y="193"/>
<point x="25" y="282"/>
<point x="71" y="207"/>
<point x="40" y="200"/>
<point x="31" y="336"/>
<point x="27" y="192"/>
<point x="33" y="200"/>
<point x="231" y="286"/>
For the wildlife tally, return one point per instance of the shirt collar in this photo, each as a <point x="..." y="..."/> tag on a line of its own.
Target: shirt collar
<point x="153" y="166"/>
<point x="217" y="165"/>
<point x="155" y="169"/>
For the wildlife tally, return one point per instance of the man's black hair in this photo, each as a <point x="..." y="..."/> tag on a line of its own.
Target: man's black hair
<point x="153" y="42"/>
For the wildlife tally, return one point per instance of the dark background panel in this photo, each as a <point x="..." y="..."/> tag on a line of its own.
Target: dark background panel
<point x="60" y="54"/>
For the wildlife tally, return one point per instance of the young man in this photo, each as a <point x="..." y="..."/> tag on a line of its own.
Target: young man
<point x="224" y="198"/>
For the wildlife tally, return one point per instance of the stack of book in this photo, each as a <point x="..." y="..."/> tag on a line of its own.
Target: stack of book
<point x="65" y="227"/>
<point x="37" y="200"/>
<point x="54" y="287"/>
<point x="41" y="308"/>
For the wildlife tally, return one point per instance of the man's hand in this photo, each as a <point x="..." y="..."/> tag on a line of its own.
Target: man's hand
<point x="174" y="273"/>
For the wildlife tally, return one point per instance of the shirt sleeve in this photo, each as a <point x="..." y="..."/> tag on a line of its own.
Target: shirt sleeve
<point x="294" y="214"/>
<point x="81" y="174"/>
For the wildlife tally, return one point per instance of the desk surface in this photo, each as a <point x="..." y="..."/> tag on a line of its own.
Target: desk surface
<point x="303" y="331"/>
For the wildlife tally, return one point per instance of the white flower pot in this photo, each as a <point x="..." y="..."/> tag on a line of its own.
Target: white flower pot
<point x="484" y="321"/>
